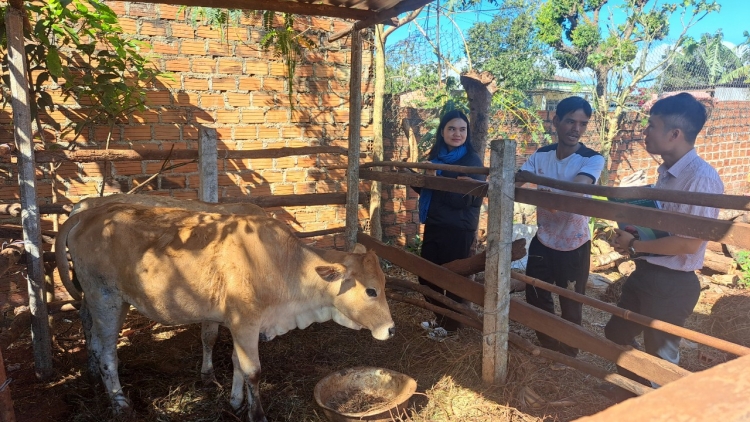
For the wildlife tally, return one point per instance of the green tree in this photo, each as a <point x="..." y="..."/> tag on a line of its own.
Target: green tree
<point x="742" y="73"/>
<point x="508" y="48"/>
<point x="700" y="63"/>
<point x="77" y="44"/>
<point x="618" y="58"/>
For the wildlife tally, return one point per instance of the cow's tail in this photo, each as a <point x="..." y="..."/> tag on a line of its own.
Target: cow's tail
<point x="61" y="255"/>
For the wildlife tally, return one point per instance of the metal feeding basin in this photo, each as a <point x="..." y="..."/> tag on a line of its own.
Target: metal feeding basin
<point x="364" y="394"/>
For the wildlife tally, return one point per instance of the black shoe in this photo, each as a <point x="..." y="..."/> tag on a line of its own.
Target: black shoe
<point x="614" y="393"/>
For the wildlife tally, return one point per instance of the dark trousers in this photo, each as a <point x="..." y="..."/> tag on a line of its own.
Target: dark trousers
<point x="660" y="293"/>
<point x="559" y="268"/>
<point x="440" y="246"/>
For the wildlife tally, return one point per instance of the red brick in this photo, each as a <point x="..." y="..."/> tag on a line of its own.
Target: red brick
<point x="137" y="133"/>
<point x="277" y="116"/>
<point x="212" y="100"/>
<point x="256" y="68"/>
<point x="205" y="31"/>
<point x="263" y="100"/>
<point x="177" y="65"/>
<point x="223" y="84"/>
<point x="181" y="30"/>
<point x="161" y="47"/>
<point x="273" y="84"/>
<point x="249" y="84"/>
<point x="278" y="69"/>
<point x="219" y="48"/>
<point x="246" y="132"/>
<point x="204" y="66"/>
<point x="167" y="133"/>
<point x="128" y="25"/>
<point x="193" y="47"/>
<point x="230" y="66"/>
<point x="158" y="29"/>
<point x="268" y="133"/>
<point x="147" y="10"/>
<point x="197" y="84"/>
<point x="238" y="99"/>
<point x="227" y="116"/>
<point x="253" y="116"/>
<point x="158" y="98"/>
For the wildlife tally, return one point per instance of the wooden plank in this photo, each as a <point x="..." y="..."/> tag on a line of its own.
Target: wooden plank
<point x="355" y="125"/>
<point x="295" y="7"/>
<point x="650" y="367"/>
<point x="14" y="209"/>
<point x="30" y="219"/>
<point x="440" y="276"/>
<point x="666" y="327"/>
<point x="428" y="166"/>
<point x="497" y="269"/>
<point x="587" y="368"/>
<point x="471" y="187"/>
<point x="292" y="200"/>
<point x="95" y="155"/>
<point x="320" y="232"/>
<point x="713" y="395"/>
<point x="733" y="202"/>
<point x="475" y="264"/>
<point x="208" y="165"/>
<point x="384" y="15"/>
<point x="737" y="234"/>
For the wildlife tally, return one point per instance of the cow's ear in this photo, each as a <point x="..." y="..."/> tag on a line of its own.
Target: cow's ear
<point x="359" y="248"/>
<point x="331" y="273"/>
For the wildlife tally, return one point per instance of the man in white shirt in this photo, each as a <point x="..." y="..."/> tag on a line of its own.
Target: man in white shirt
<point x="664" y="285"/>
<point x="560" y="251"/>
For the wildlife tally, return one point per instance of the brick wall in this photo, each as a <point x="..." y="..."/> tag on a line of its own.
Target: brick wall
<point x="724" y="143"/>
<point x="231" y="84"/>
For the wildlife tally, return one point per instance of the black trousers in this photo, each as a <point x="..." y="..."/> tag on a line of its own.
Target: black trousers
<point x="440" y="246"/>
<point x="660" y="293"/>
<point x="559" y="268"/>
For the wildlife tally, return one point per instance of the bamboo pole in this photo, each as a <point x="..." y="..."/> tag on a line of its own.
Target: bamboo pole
<point x="30" y="219"/>
<point x="355" y="125"/>
<point x="497" y="268"/>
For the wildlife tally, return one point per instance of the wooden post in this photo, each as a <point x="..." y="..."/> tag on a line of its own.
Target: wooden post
<point x="497" y="267"/>
<point x="355" y="119"/>
<point x="30" y="220"/>
<point x="208" y="158"/>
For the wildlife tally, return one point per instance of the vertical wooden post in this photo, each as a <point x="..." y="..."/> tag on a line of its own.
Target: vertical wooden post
<point x="208" y="158"/>
<point x="497" y="267"/>
<point x="355" y="120"/>
<point x="30" y="220"/>
<point x="7" y="414"/>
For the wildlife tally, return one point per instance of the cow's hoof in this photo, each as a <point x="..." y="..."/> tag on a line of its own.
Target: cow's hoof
<point x="209" y="380"/>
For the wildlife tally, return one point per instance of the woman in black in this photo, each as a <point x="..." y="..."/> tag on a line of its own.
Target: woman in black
<point x="450" y="219"/>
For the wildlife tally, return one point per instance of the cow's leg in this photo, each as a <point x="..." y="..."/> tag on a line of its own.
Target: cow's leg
<point x="246" y="374"/>
<point x="209" y="333"/>
<point x="93" y="358"/>
<point x="108" y="314"/>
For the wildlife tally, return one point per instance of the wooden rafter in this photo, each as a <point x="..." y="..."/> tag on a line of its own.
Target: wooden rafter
<point x="384" y="15"/>
<point x="295" y="7"/>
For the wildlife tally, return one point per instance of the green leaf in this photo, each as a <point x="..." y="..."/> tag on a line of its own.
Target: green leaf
<point x="54" y="65"/>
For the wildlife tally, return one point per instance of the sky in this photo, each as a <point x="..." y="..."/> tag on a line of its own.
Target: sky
<point x="732" y="19"/>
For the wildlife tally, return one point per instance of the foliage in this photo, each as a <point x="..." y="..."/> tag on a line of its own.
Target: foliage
<point x="284" y="41"/>
<point x="741" y="73"/>
<point x="700" y="62"/>
<point x="743" y="260"/>
<point x="77" y="44"/>
<point x="507" y="48"/>
<point x="618" y="57"/>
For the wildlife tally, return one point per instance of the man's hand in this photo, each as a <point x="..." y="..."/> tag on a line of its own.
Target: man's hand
<point x="621" y="240"/>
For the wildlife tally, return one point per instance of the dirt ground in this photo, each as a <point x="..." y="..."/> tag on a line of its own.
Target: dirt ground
<point x="160" y="371"/>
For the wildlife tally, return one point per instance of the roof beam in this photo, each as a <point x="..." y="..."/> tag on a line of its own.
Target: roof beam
<point x="279" y="6"/>
<point x="387" y="14"/>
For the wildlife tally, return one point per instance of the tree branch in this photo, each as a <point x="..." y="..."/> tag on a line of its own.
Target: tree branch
<point x="403" y="21"/>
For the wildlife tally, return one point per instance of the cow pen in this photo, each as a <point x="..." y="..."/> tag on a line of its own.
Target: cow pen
<point x="493" y="296"/>
<point x="497" y="337"/>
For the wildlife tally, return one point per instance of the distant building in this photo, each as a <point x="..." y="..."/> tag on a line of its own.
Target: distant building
<point x="552" y="91"/>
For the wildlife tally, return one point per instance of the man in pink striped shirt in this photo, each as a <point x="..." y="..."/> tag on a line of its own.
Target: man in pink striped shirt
<point x="664" y="285"/>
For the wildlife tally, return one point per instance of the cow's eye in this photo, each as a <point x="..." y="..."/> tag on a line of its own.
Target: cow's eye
<point x="371" y="293"/>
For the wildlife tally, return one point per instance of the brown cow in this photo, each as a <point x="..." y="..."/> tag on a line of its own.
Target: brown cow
<point x="209" y="329"/>
<point x="249" y="273"/>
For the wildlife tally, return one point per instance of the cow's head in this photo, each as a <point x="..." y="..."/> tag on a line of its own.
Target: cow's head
<point x="361" y="292"/>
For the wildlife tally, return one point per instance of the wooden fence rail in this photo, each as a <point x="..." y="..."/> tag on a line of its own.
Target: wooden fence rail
<point x="728" y="232"/>
<point x="94" y="155"/>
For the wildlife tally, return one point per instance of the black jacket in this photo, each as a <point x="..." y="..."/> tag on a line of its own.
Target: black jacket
<point x="456" y="210"/>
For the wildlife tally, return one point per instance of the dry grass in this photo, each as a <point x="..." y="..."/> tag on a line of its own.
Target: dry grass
<point x="159" y="368"/>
